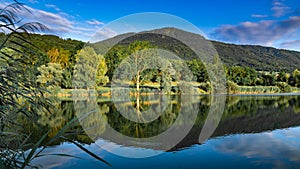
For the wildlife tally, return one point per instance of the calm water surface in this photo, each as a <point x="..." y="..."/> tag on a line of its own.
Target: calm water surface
<point x="252" y="132"/>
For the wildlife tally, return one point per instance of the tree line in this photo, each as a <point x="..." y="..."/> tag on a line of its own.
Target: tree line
<point x="58" y="59"/>
<point x="107" y="64"/>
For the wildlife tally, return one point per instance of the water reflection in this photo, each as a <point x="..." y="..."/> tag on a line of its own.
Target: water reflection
<point x="273" y="149"/>
<point x="254" y="131"/>
<point x="177" y="118"/>
<point x="279" y="148"/>
<point x="242" y="114"/>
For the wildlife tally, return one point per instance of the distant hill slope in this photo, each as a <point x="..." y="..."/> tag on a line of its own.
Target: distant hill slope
<point x="257" y="57"/>
<point x="47" y="42"/>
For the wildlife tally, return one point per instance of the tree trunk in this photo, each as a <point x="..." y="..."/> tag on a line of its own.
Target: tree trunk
<point x="138" y="83"/>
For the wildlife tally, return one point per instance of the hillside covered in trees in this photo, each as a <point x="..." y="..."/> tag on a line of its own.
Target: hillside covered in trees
<point x="253" y="56"/>
<point x="245" y="65"/>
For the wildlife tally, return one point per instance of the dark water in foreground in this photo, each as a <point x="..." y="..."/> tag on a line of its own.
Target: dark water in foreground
<point x="250" y="132"/>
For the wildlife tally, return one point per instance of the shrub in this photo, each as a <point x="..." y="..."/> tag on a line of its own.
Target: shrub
<point x="284" y="87"/>
<point x="259" y="89"/>
<point x="232" y="87"/>
<point x="206" y="87"/>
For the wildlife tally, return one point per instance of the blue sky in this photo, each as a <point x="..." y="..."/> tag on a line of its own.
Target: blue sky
<point x="263" y="22"/>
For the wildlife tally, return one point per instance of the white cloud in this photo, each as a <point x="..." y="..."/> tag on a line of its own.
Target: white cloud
<point x="55" y="22"/>
<point x="291" y="44"/>
<point x="103" y="34"/>
<point x="33" y="1"/>
<point x="94" y="22"/>
<point x="258" y="16"/>
<point x="273" y="32"/>
<point x="52" y="6"/>
<point x="60" y="23"/>
<point x="279" y="8"/>
<point x="268" y="145"/>
<point x="264" y="32"/>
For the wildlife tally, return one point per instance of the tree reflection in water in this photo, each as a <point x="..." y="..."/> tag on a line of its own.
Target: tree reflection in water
<point x="242" y="114"/>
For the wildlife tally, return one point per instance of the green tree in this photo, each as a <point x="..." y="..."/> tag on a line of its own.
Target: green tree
<point x="242" y="76"/>
<point x="232" y="87"/>
<point x="281" y="77"/>
<point x="268" y="79"/>
<point x="164" y="79"/>
<point x="284" y="87"/>
<point x="236" y="74"/>
<point x="101" y="78"/>
<point x="114" y="57"/>
<point x="86" y="73"/>
<point x="199" y="70"/>
<point x="50" y="76"/>
<point x="145" y="62"/>
<point x="296" y="76"/>
<point x="139" y="60"/>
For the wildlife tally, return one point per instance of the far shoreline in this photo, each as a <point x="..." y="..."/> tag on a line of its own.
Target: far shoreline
<point x="105" y="92"/>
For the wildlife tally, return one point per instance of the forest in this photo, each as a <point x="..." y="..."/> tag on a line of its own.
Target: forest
<point x="57" y="59"/>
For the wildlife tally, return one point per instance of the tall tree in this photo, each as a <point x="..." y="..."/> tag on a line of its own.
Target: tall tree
<point x="140" y="60"/>
<point x="141" y="63"/>
<point x="296" y="76"/>
<point x="114" y="57"/>
<point x="101" y="78"/>
<point x="198" y="69"/>
<point x="50" y="76"/>
<point x="86" y="73"/>
<point x="60" y="56"/>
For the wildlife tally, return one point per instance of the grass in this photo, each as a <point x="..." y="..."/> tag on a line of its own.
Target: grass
<point x="258" y="89"/>
<point x="295" y="89"/>
<point x="150" y="88"/>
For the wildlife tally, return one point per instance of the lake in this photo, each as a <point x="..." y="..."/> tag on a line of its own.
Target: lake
<point x="236" y="131"/>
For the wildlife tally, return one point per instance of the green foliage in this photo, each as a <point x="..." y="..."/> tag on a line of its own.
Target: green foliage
<point x="206" y="87"/>
<point x="232" y="87"/>
<point x="164" y="79"/>
<point x="258" y="57"/>
<point x="50" y="76"/>
<point x="246" y="65"/>
<point x="284" y="87"/>
<point x="139" y="60"/>
<point x="258" y="89"/>
<point x="101" y="78"/>
<point x="86" y="72"/>
<point x="114" y="57"/>
<point x="282" y="76"/>
<point x="296" y="76"/>
<point x="146" y="64"/>
<point x="18" y="65"/>
<point x="198" y="69"/>
<point x="22" y="99"/>
<point x="268" y="79"/>
<point x="242" y="76"/>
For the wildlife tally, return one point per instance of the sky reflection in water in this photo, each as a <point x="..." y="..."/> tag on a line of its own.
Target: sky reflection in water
<point x="273" y="149"/>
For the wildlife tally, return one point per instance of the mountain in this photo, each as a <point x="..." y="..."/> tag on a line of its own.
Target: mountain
<point x="257" y="57"/>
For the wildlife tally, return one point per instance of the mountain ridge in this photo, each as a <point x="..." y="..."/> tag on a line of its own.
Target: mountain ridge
<point x="259" y="57"/>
